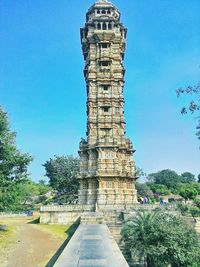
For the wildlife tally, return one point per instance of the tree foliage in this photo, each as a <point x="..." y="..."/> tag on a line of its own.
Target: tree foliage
<point x="197" y="202"/>
<point x="161" y="238"/>
<point x="144" y="191"/>
<point x="140" y="173"/>
<point x="62" y="173"/>
<point x="196" y="186"/>
<point x="188" y="191"/>
<point x="194" y="105"/>
<point x="195" y="211"/>
<point x="13" y="166"/>
<point x="187" y="177"/>
<point x="167" y="177"/>
<point x="160" y="189"/>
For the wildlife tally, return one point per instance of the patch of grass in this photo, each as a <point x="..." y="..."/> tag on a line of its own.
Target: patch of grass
<point x="11" y="227"/>
<point x="6" y="234"/>
<point x="56" y="230"/>
<point x="70" y="231"/>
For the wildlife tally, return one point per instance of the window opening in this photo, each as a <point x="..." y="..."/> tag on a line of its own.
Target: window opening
<point x="109" y="26"/>
<point x="98" y="12"/>
<point x="99" y="26"/>
<point x="104" y="26"/>
<point x="106" y="130"/>
<point x="104" y="63"/>
<point x="106" y="109"/>
<point x="105" y="87"/>
<point x="103" y="12"/>
<point x="85" y="185"/>
<point x="104" y="45"/>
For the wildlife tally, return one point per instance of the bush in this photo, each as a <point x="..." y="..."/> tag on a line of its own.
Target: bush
<point x="161" y="239"/>
<point x="195" y="211"/>
<point x="197" y="202"/>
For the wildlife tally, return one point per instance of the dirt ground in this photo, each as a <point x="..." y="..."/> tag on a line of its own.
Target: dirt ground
<point x="29" y="246"/>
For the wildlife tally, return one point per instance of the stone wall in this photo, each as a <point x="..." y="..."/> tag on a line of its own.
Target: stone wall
<point x="66" y="214"/>
<point x="112" y="216"/>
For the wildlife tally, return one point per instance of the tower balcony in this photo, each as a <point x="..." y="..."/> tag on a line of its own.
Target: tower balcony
<point x="108" y="119"/>
<point x="104" y="75"/>
<point x="113" y="172"/>
<point x="106" y="143"/>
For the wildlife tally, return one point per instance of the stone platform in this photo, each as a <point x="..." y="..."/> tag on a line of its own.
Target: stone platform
<point x="92" y="245"/>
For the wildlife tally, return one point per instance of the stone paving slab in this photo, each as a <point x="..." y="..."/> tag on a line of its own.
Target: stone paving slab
<point x="92" y="245"/>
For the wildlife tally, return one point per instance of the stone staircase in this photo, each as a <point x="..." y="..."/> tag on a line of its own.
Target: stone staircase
<point x="115" y="230"/>
<point x="111" y="219"/>
<point x="92" y="218"/>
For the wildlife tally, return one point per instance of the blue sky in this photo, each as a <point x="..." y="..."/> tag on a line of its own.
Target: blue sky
<point x="43" y="90"/>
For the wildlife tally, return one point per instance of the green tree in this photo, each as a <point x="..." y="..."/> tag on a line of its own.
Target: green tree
<point x="161" y="239"/>
<point x="187" y="177"/>
<point x="143" y="190"/>
<point x="188" y="191"/>
<point x="196" y="186"/>
<point x="195" y="211"/>
<point x="62" y="173"/>
<point x="42" y="182"/>
<point x="160" y="189"/>
<point x="166" y="177"/>
<point x="13" y="167"/>
<point x="140" y="173"/>
<point x="194" y="105"/>
<point x="197" y="202"/>
<point x="34" y="193"/>
<point x="199" y="178"/>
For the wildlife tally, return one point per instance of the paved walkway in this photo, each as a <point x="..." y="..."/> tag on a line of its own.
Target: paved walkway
<point x="29" y="245"/>
<point x="91" y="246"/>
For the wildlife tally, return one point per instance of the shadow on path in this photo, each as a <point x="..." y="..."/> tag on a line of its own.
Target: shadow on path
<point x="70" y="231"/>
<point x="35" y="221"/>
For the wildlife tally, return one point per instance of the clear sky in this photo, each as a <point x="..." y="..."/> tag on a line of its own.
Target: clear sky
<point x="43" y="90"/>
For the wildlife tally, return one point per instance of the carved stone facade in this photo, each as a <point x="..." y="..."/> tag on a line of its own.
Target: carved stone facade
<point x="107" y="171"/>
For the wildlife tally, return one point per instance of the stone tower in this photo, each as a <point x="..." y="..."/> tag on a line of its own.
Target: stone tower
<point x="107" y="172"/>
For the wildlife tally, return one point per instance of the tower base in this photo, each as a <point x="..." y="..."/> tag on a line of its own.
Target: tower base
<point x="108" y="198"/>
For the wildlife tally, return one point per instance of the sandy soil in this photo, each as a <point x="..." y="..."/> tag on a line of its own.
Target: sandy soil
<point x="30" y="246"/>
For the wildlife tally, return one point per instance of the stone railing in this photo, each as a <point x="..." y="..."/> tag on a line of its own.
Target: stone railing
<point x="61" y="208"/>
<point x="151" y="206"/>
<point x="137" y="206"/>
<point x="10" y="214"/>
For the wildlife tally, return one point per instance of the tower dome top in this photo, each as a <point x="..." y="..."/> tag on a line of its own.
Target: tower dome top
<point x="103" y="2"/>
<point x="101" y="5"/>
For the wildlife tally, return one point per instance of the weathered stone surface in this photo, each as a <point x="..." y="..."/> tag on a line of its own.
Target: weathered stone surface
<point x="107" y="171"/>
<point x="91" y="245"/>
<point x="64" y="214"/>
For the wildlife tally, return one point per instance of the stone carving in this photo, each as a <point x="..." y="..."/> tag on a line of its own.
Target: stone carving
<point x="109" y="169"/>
